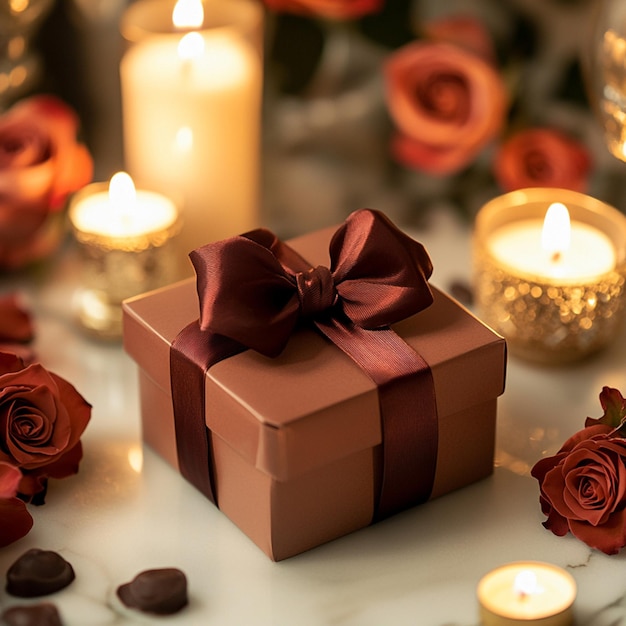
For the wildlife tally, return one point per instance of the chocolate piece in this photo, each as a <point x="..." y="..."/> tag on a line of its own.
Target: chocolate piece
<point x="160" y="591"/>
<point x="38" y="573"/>
<point x="44" y="614"/>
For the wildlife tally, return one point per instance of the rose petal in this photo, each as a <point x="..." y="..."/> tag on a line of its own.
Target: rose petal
<point x="10" y="477"/>
<point x="609" y="537"/>
<point x="15" y="520"/>
<point x="34" y="483"/>
<point x="552" y="489"/>
<point x="556" y="523"/>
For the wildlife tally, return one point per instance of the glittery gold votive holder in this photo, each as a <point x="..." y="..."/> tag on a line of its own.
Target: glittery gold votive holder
<point x="544" y="318"/>
<point x="120" y="257"/>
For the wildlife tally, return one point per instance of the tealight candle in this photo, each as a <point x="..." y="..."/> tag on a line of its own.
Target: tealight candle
<point x="125" y="244"/>
<point x="549" y="267"/>
<point x="191" y="84"/>
<point x="525" y="593"/>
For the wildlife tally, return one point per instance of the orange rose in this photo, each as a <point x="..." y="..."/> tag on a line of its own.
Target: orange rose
<point x="542" y="157"/>
<point x="42" y="418"/>
<point x="41" y="163"/>
<point x="447" y="103"/>
<point x="330" y="9"/>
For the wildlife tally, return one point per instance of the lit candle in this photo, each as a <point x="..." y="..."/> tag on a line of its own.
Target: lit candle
<point x="191" y="93"/>
<point x="124" y="238"/>
<point x="525" y="593"/>
<point x="549" y="272"/>
<point x="554" y="249"/>
<point x="122" y="214"/>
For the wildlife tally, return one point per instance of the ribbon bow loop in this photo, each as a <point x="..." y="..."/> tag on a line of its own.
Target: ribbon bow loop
<point x="378" y="276"/>
<point x="381" y="274"/>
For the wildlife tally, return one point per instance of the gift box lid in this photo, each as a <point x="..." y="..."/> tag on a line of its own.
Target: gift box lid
<point x="312" y="404"/>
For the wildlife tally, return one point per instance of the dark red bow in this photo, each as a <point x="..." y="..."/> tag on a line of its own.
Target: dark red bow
<point x="377" y="276"/>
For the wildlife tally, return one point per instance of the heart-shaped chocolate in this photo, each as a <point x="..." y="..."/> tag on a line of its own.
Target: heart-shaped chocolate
<point x="38" y="573"/>
<point x="44" y="614"/>
<point x="160" y="591"/>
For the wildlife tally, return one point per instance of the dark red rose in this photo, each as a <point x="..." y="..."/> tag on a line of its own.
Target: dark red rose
<point x="447" y="103"/>
<point x="42" y="418"/>
<point x="331" y="9"/>
<point x="542" y="157"/>
<point x="583" y="486"/>
<point x="15" y="520"/>
<point x="41" y="163"/>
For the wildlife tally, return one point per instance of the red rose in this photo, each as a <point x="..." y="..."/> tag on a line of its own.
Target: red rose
<point x="330" y="9"/>
<point x="542" y="157"/>
<point x="447" y="103"/>
<point x="583" y="488"/>
<point x="42" y="418"/>
<point x="15" y="520"/>
<point x="41" y="162"/>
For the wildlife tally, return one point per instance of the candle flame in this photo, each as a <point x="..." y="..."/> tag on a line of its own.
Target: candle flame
<point x="188" y="14"/>
<point x="122" y="193"/>
<point x="556" y="233"/>
<point x="191" y="46"/>
<point x="525" y="584"/>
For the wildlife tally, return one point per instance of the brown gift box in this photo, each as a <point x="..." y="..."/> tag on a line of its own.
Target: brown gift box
<point x="296" y="439"/>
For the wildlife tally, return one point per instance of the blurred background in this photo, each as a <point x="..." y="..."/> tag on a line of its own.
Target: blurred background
<point x="327" y="129"/>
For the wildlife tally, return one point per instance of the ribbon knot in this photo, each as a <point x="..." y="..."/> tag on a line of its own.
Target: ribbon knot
<point x="316" y="290"/>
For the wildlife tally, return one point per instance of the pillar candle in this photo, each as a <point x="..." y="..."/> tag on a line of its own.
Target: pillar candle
<point x="191" y="110"/>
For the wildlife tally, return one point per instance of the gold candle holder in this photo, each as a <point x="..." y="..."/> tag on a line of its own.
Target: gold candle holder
<point x="550" y="316"/>
<point x="125" y="248"/>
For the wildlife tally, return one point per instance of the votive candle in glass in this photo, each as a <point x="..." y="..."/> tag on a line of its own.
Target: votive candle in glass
<point x="125" y="245"/>
<point x="550" y="282"/>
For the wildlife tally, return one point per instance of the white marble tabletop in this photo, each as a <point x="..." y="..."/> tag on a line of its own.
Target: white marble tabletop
<point x="120" y="515"/>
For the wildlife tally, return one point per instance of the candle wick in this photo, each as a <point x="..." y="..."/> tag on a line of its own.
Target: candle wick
<point x="556" y="257"/>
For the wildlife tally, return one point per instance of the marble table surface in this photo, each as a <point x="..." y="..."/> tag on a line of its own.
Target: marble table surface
<point x="127" y="511"/>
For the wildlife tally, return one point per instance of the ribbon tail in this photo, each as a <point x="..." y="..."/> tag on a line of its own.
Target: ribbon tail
<point x="405" y="388"/>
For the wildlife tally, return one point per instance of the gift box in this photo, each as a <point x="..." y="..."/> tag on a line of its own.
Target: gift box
<point x="298" y="449"/>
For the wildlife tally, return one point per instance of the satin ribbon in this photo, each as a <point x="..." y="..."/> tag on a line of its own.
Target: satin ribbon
<point x="254" y="290"/>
